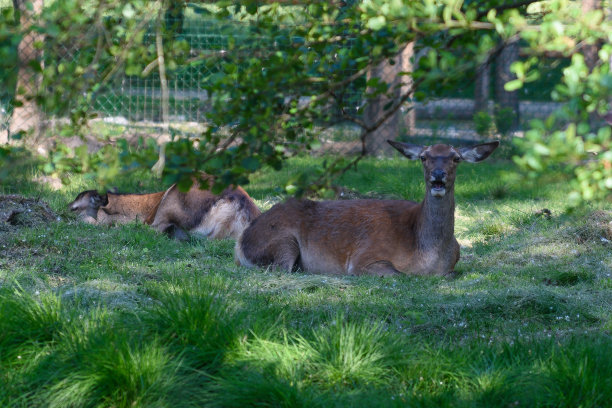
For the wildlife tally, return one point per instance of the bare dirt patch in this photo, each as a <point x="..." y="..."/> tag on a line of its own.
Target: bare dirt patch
<point x="17" y="211"/>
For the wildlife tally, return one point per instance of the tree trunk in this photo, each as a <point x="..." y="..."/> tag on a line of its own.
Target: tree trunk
<point x="27" y="117"/>
<point x="481" y="88"/>
<point x="408" y="110"/>
<point x="376" y="141"/>
<point x="589" y="51"/>
<point x="507" y="100"/>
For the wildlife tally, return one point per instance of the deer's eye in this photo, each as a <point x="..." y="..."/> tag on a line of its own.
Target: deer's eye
<point x="456" y="159"/>
<point x="423" y="158"/>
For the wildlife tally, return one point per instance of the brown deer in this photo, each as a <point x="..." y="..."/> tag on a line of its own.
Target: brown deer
<point x="112" y="208"/>
<point x="367" y="237"/>
<point x="173" y="212"/>
<point x="198" y="211"/>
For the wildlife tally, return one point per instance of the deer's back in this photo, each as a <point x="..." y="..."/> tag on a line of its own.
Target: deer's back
<point x="200" y="211"/>
<point x="123" y="208"/>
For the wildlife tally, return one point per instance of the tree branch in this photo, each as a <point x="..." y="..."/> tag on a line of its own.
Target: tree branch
<point x="158" y="167"/>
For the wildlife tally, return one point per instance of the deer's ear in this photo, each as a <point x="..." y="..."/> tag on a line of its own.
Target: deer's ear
<point x="478" y="152"/>
<point x="94" y="197"/>
<point x="409" y="150"/>
<point x="98" y="199"/>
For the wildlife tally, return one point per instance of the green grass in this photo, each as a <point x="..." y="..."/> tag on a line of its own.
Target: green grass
<point x="95" y="316"/>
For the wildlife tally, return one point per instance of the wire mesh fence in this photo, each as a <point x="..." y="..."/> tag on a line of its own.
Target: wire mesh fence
<point x="135" y="102"/>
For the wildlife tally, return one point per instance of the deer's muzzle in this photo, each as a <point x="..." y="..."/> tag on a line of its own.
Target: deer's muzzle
<point x="438" y="183"/>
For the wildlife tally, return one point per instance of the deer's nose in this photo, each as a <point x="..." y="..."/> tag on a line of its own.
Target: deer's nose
<point x="438" y="175"/>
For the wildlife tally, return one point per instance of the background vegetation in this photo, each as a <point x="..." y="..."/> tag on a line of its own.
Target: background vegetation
<point x="280" y="73"/>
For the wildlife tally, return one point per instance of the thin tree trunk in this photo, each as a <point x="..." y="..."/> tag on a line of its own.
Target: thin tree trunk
<point x="158" y="167"/>
<point x="27" y="119"/>
<point x="505" y="99"/>
<point x="409" y="109"/>
<point x="376" y="142"/>
<point x="481" y="88"/>
<point x="590" y="51"/>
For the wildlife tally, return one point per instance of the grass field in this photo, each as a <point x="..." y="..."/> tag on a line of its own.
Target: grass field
<point x="98" y="317"/>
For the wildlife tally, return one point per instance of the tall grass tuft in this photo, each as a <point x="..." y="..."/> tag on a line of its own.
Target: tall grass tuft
<point x="118" y="370"/>
<point x="28" y="319"/>
<point x="349" y="353"/>
<point x="325" y="368"/>
<point x="197" y="315"/>
<point x="579" y="373"/>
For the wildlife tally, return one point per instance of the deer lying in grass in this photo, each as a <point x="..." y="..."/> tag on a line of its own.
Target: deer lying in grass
<point x="217" y="216"/>
<point x="112" y="208"/>
<point x="367" y="237"/>
<point x="172" y="212"/>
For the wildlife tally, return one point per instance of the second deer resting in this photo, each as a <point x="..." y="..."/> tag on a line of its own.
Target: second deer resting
<point x="172" y="212"/>
<point x="368" y="237"/>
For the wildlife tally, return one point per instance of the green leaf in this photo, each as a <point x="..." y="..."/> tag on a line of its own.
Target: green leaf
<point x="513" y="85"/>
<point x="291" y="189"/>
<point x="518" y="67"/>
<point x="250" y="163"/>
<point x="184" y="184"/>
<point x="541" y="149"/>
<point x="376" y="23"/>
<point x="215" y="163"/>
<point x="132" y="70"/>
<point x="251" y="7"/>
<point x="128" y="11"/>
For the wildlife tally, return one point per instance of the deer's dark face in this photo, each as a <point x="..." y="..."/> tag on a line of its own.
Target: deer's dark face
<point x="440" y="162"/>
<point x="440" y="167"/>
<point x="88" y="202"/>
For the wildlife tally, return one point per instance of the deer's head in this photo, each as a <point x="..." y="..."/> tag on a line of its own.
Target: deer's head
<point x="88" y="202"/>
<point x="440" y="162"/>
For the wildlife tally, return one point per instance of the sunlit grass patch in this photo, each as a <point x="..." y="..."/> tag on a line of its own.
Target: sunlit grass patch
<point x="350" y="353"/>
<point x="197" y="314"/>
<point x="289" y="369"/>
<point x="118" y="373"/>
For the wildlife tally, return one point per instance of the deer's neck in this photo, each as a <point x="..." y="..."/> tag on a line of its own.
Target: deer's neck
<point x="437" y="221"/>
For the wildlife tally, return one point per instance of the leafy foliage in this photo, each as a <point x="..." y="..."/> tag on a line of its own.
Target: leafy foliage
<point x="284" y="78"/>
